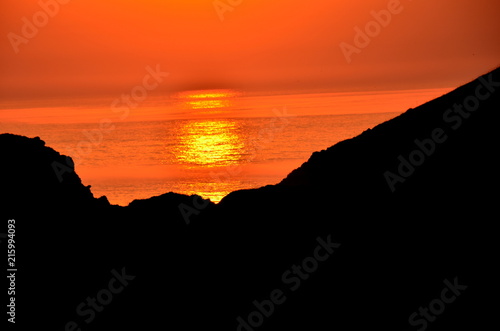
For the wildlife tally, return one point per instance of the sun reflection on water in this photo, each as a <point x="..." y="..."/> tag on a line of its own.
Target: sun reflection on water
<point x="205" y="146"/>
<point x="209" y="143"/>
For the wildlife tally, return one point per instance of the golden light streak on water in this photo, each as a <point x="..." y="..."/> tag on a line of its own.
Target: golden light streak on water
<point x="209" y="144"/>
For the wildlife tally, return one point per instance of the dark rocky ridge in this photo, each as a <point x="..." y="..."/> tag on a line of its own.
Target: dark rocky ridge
<point x="396" y="247"/>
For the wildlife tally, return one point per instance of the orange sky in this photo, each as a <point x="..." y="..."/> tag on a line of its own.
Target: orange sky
<point x="94" y="46"/>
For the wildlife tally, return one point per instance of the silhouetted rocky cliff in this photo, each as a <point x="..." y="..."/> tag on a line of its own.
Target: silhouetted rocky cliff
<point x="376" y="225"/>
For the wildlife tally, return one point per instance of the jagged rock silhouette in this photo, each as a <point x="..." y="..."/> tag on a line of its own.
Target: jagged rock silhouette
<point x="397" y="246"/>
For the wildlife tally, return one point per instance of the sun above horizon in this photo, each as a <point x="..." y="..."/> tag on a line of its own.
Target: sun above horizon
<point x="207" y="101"/>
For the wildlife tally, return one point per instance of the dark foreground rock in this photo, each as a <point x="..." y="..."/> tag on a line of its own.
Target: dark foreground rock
<point x="378" y="226"/>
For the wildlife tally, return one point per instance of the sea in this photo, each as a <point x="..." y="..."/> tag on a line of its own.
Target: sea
<point x="205" y="142"/>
